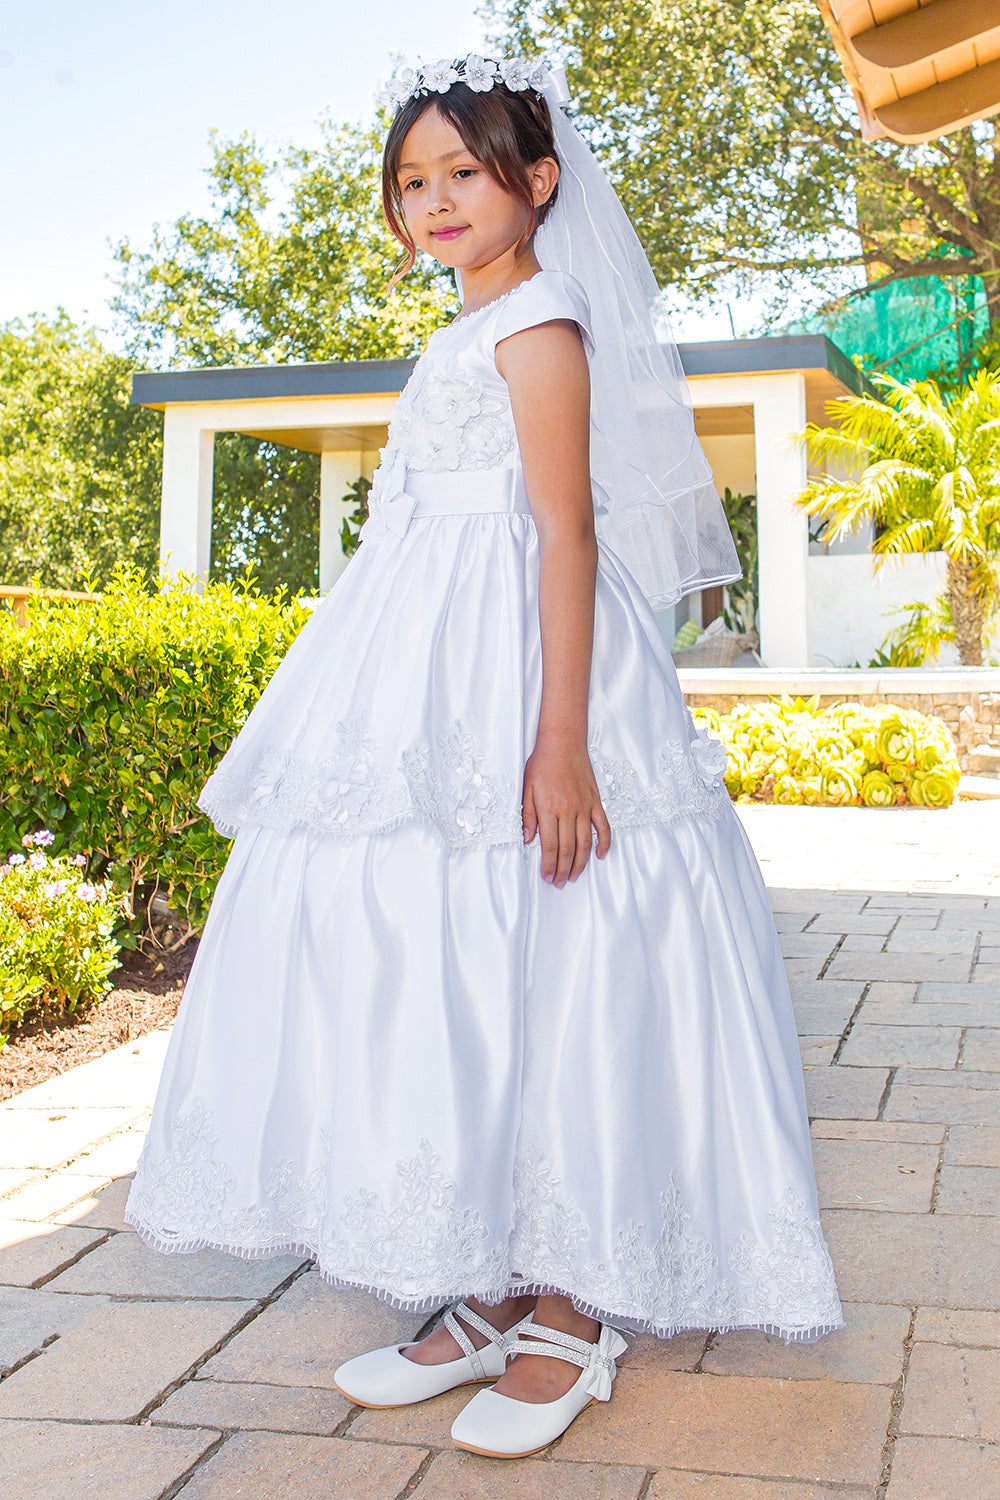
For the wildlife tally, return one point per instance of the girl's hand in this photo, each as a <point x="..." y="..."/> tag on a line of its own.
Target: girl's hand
<point x="561" y="803"/>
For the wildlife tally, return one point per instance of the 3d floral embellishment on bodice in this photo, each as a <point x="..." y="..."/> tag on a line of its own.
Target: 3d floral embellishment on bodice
<point x="448" y="421"/>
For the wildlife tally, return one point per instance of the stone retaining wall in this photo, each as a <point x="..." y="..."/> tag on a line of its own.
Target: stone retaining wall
<point x="967" y="699"/>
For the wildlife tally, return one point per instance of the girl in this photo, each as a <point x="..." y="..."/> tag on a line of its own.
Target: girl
<point x="430" y="1041"/>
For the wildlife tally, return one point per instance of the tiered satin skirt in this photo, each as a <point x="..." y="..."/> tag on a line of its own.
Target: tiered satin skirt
<point x="404" y="1054"/>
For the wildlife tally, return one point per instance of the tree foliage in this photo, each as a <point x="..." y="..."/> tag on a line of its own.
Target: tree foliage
<point x="292" y="262"/>
<point x="925" y="467"/>
<point x="735" y="144"/>
<point x="79" y="466"/>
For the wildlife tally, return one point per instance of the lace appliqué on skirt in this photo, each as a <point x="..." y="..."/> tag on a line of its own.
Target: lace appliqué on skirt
<point x="423" y="1248"/>
<point x="353" y="792"/>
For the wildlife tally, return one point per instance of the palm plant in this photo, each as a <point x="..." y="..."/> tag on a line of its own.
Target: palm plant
<point x="925" y="468"/>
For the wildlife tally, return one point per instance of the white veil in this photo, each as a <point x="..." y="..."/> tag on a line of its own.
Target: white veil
<point x="658" y="510"/>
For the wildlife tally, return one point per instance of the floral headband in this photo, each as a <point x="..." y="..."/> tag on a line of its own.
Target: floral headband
<point x="478" y="73"/>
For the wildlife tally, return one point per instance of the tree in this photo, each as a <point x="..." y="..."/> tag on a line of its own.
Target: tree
<point x="79" y="466"/>
<point x="925" y="468"/>
<point x="292" y="263"/>
<point x="735" y="145"/>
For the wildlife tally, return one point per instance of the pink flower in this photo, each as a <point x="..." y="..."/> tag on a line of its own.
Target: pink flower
<point x="16" y="859"/>
<point x="43" y="838"/>
<point x="53" y="889"/>
<point x="86" y="891"/>
<point x="79" y="859"/>
<point x="37" y="861"/>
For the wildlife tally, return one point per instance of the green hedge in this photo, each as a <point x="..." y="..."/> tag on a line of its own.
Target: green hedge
<point x="113" y="713"/>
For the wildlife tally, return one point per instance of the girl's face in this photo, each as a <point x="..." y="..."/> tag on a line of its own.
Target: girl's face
<point x="454" y="209"/>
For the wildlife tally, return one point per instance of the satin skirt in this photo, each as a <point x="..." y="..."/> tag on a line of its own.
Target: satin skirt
<point x="404" y="1054"/>
<point x="439" y="1075"/>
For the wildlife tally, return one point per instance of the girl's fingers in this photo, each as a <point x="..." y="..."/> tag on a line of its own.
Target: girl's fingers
<point x="548" y="832"/>
<point x="567" y="849"/>
<point x="600" y="822"/>
<point x="583" y="845"/>
<point x="529" y="818"/>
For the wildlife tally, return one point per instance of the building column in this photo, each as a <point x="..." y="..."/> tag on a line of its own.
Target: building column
<point x="779" y="418"/>
<point x="186" y="509"/>
<point x="337" y="471"/>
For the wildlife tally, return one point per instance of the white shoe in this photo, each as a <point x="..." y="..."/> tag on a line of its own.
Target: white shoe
<point x="501" y="1427"/>
<point x="385" y="1377"/>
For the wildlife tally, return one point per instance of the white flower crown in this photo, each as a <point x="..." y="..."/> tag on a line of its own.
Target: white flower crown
<point x="478" y="73"/>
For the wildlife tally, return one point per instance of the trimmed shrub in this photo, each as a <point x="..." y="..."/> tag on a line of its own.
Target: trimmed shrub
<point x="114" y="712"/>
<point x="58" y="939"/>
<point x="848" y="755"/>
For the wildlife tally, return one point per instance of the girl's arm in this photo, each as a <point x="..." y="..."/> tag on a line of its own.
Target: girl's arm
<point x="546" y="370"/>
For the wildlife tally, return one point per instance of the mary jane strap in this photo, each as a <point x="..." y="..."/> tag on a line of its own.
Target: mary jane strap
<point x="597" y="1359"/>
<point x="468" y="1348"/>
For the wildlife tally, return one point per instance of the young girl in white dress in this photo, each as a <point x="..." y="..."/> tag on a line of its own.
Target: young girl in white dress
<point x="490" y="1005"/>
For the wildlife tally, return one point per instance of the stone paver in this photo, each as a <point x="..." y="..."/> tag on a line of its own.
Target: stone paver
<point x="101" y="1208"/>
<point x="972" y="1146"/>
<point x="808" y="1429"/>
<point x="43" y="1139"/>
<point x="112" y="1364"/>
<point x="982" y="1048"/>
<point x="62" y="1461"/>
<point x="671" y="1485"/>
<point x="125" y="1267"/>
<point x="916" y="1132"/>
<point x="281" y="1466"/>
<point x="30" y="1318"/>
<point x="946" y="1325"/>
<point x="952" y="1392"/>
<point x="845" y="1093"/>
<point x="925" y="1468"/>
<point x="307" y="1333"/>
<point x="877" y="1046"/>
<point x="901" y="1042"/>
<point x="462" y="1476"/>
<point x="29" y="1252"/>
<point x="970" y="1190"/>
<point x="50" y="1196"/>
<point x="268" y="1408"/>
<point x="869" y="1350"/>
<point x="873" y="1174"/>
<point x="945" y="1260"/>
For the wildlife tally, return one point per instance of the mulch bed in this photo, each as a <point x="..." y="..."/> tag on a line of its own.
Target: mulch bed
<point x="147" y="991"/>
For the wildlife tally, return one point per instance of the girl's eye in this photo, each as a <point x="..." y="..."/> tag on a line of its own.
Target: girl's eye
<point x="466" y="172"/>
<point x="413" y="182"/>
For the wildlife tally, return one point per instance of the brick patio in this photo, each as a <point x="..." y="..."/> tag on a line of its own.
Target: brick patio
<point x="132" y="1376"/>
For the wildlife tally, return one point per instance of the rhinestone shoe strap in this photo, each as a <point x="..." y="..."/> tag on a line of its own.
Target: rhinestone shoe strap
<point x="560" y="1345"/>
<point x="458" y="1333"/>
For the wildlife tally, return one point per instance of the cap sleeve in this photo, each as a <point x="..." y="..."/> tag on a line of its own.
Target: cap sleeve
<point x="547" y="295"/>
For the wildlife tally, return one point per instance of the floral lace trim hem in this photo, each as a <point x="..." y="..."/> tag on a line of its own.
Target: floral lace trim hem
<point x="422" y="1244"/>
<point x="353" y="792"/>
<point x="490" y="1295"/>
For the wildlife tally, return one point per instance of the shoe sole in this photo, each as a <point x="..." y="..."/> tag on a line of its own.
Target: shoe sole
<point x="392" y="1405"/>
<point x="491" y="1453"/>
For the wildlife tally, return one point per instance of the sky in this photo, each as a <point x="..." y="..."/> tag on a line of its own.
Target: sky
<point x="106" y="109"/>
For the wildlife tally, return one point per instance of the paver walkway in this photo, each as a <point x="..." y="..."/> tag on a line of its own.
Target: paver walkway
<point x="133" y="1376"/>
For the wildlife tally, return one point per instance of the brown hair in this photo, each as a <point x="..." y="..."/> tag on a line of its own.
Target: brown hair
<point x="507" y="131"/>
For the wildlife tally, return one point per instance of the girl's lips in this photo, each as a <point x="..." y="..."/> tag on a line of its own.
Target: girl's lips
<point x="451" y="233"/>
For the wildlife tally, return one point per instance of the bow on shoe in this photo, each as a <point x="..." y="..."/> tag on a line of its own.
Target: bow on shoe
<point x="602" y="1369"/>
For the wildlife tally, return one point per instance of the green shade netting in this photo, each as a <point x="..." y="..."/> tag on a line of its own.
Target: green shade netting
<point x="904" y="329"/>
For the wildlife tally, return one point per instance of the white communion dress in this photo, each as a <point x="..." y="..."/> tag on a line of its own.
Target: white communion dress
<point x="403" y="1053"/>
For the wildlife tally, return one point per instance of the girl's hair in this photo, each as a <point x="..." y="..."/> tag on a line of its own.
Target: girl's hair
<point x="507" y="131"/>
